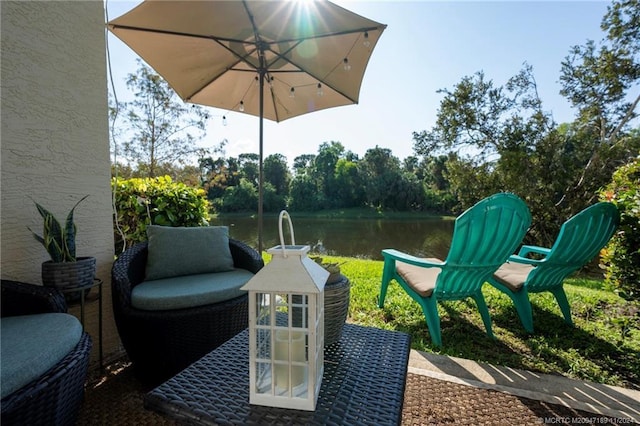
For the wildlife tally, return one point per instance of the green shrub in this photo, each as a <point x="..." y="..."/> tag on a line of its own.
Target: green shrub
<point x="157" y="201"/>
<point x="621" y="256"/>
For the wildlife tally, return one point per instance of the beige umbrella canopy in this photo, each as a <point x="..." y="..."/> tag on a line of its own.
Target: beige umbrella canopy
<point x="271" y="59"/>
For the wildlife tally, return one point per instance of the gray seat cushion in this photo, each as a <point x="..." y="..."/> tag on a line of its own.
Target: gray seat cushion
<point x="513" y="275"/>
<point x="422" y="280"/>
<point x="30" y="345"/>
<point x="189" y="291"/>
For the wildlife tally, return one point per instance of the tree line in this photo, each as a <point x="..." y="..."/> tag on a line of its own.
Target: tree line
<point x="332" y="178"/>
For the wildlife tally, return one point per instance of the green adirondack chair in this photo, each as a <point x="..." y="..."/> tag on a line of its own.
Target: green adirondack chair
<point x="483" y="238"/>
<point x="580" y="239"/>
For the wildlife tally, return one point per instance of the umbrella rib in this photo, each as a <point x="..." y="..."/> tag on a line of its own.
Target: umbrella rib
<point x="319" y="80"/>
<point x="177" y="33"/>
<point x="213" y="38"/>
<point x="336" y="33"/>
<point x="300" y="69"/>
<point x="214" y="78"/>
<point x="297" y="41"/>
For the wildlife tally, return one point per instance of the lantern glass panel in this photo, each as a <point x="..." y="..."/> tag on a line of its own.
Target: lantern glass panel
<point x="263" y="375"/>
<point x="263" y="309"/>
<point x="263" y="344"/>
<point x="282" y="309"/>
<point x="299" y="306"/>
<point x="290" y="360"/>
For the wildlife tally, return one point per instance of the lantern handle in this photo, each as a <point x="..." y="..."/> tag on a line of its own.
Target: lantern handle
<point x="284" y="213"/>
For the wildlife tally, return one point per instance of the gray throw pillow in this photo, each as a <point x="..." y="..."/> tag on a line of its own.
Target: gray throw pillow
<point x="176" y="251"/>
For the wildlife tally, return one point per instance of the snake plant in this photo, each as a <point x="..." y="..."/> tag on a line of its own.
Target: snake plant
<point x="60" y="242"/>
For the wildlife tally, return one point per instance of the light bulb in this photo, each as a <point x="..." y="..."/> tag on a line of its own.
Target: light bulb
<point x="241" y="107"/>
<point x="346" y="65"/>
<point x="366" y="41"/>
<point x="292" y="93"/>
<point x="224" y="120"/>
<point x="256" y="81"/>
<point x="320" y="92"/>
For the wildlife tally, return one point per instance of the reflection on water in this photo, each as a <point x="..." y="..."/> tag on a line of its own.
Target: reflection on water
<point x="363" y="238"/>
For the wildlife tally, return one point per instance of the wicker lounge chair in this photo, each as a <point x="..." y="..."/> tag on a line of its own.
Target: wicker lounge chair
<point x="55" y="397"/>
<point x="162" y="343"/>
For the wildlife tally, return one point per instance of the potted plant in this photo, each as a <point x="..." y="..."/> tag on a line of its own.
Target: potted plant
<point x="64" y="270"/>
<point x="332" y="268"/>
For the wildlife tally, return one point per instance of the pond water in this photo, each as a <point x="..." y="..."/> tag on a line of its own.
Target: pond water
<point x="363" y="238"/>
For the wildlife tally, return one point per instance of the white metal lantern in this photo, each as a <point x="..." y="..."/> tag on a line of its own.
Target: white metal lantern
<point x="286" y="328"/>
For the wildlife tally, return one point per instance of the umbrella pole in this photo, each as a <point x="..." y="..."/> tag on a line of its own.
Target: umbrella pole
<point x="260" y="168"/>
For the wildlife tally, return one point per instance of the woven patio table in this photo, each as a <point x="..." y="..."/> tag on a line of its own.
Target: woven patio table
<point x="363" y="384"/>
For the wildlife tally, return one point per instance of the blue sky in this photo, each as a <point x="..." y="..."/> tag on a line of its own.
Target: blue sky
<point x="428" y="45"/>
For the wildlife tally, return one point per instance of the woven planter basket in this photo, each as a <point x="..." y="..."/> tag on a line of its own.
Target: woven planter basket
<point x="69" y="275"/>
<point x="336" y="307"/>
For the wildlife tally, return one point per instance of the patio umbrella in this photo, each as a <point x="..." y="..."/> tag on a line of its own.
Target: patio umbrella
<point x="272" y="59"/>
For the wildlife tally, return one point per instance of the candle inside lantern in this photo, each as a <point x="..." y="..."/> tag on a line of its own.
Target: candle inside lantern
<point x="282" y="354"/>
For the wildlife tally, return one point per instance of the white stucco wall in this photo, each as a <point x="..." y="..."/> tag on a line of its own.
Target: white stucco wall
<point x="54" y="140"/>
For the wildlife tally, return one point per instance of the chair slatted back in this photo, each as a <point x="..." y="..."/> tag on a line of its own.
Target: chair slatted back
<point x="484" y="237"/>
<point x="580" y="239"/>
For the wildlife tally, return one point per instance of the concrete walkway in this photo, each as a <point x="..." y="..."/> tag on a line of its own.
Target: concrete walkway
<point x="603" y="400"/>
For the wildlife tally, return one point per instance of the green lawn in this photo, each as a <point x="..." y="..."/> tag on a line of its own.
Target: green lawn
<point x="604" y="345"/>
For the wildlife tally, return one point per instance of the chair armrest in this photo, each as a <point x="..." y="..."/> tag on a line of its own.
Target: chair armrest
<point x="245" y="257"/>
<point x="412" y="260"/>
<point x="519" y="259"/>
<point x="20" y="298"/>
<point x="128" y="271"/>
<point x="525" y="250"/>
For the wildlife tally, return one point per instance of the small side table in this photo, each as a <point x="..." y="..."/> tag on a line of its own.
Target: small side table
<point x="84" y="299"/>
